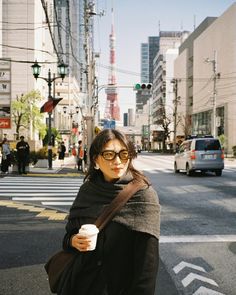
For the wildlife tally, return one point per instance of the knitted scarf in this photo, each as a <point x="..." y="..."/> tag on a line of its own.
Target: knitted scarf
<point x="141" y="213"/>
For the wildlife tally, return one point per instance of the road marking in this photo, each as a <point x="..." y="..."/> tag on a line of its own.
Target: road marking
<point x="42" y="212"/>
<point x="197" y="239"/>
<point x="205" y="291"/>
<point x="57" y="203"/>
<point x="193" y="276"/>
<point x="43" y="198"/>
<point x="184" y="264"/>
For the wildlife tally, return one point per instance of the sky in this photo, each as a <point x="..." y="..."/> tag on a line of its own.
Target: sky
<point x="134" y="21"/>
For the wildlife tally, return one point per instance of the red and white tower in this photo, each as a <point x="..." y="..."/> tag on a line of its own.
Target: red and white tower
<point x="112" y="110"/>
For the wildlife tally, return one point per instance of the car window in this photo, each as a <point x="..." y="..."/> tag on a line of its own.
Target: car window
<point x="207" y="145"/>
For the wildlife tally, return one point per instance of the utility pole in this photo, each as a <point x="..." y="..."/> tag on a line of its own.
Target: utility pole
<point x="176" y="101"/>
<point x="214" y="65"/>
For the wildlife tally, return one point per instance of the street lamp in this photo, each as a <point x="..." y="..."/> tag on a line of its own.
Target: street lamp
<point x="72" y="123"/>
<point x="71" y="114"/>
<point x="36" y="68"/>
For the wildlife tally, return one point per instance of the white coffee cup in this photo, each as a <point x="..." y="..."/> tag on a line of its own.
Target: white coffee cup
<point x="90" y="231"/>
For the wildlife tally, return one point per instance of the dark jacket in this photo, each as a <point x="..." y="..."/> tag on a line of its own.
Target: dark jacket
<point x="125" y="261"/>
<point x="23" y="149"/>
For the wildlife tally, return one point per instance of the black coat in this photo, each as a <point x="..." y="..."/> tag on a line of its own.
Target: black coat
<point x="125" y="262"/>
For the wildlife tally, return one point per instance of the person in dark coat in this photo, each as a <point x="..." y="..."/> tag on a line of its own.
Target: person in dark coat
<point x="23" y="150"/>
<point x="125" y="261"/>
<point x="61" y="152"/>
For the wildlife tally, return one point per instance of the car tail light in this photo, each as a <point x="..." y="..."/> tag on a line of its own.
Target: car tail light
<point x="192" y="155"/>
<point x="222" y="155"/>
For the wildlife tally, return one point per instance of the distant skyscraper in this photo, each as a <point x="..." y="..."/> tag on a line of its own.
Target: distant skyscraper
<point x="153" y="47"/>
<point x="112" y="110"/>
<point x="144" y="63"/>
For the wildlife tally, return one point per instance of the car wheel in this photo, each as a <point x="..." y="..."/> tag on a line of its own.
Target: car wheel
<point x="218" y="172"/>
<point x="175" y="168"/>
<point x="188" y="171"/>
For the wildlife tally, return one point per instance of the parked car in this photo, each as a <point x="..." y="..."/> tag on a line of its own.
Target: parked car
<point x="199" y="154"/>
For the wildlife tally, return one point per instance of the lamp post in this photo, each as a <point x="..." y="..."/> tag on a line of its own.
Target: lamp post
<point x="36" y="68"/>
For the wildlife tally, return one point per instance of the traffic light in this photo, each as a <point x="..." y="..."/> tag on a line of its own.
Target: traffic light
<point x="143" y="86"/>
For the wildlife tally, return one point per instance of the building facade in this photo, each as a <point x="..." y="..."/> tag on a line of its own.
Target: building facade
<point x="210" y="57"/>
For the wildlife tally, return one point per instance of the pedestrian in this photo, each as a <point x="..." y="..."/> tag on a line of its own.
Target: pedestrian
<point x="23" y="150"/>
<point x="80" y="156"/>
<point x="127" y="249"/>
<point x="61" y="152"/>
<point x="74" y="154"/>
<point x="6" y="156"/>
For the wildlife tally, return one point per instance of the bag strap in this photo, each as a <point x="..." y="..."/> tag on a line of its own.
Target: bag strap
<point x="117" y="203"/>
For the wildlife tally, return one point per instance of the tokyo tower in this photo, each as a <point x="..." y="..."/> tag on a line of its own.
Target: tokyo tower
<point x="112" y="110"/>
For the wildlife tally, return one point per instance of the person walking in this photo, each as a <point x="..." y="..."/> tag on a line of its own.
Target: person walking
<point x="126" y="257"/>
<point x="74" y="154"/>
<point x="23" y="150"/>
<point x="80" y="156"/>
<point x="6" y="156"/>
<point x="61" y="152"/>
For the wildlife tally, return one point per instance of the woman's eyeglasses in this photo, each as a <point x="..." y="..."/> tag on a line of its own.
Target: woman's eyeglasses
<point x="111" y="155"/>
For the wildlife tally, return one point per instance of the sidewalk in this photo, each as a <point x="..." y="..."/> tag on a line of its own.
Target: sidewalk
<point x="58" y="167"/>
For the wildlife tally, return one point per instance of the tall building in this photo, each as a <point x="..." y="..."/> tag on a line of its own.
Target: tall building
<point x="112" y="110"/>
<point x="153" y="47"/>
<point x="148" y="53"/>
<point x="24" y="38"/>
<point x="144" y="63"/>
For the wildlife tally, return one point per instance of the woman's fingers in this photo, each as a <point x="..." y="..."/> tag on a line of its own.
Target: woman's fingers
<point x="81" y="243"/>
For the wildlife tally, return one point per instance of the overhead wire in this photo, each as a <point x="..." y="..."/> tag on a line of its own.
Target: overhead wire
<point x="50" y="29"/>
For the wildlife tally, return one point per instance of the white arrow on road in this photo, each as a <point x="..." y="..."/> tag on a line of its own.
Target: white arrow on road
<point x="193" y="276"/>
<point x="184" y="264"/>
<point x="206" y="291"/>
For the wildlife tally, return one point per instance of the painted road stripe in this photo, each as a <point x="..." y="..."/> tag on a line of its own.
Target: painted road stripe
<point x="197" y="239"/>
<point x="184" y="264"/>
<point x="44" y="199"/>
<point x="193" y="276"/>
<point x="57" y="203"/>
<point x="23" y="194"/>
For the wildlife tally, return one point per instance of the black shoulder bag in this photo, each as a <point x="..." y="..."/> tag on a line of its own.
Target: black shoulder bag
<point x="61" y="262"/>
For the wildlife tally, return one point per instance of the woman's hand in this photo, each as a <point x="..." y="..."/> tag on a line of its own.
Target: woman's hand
<point x="80" y="242"/>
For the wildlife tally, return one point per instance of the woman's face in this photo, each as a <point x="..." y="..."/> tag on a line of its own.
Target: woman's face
<point x="113" y="169"/>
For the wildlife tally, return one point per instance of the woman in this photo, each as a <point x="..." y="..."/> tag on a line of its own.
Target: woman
<point x="127" y="249"/>
<point x="6" y="156"/>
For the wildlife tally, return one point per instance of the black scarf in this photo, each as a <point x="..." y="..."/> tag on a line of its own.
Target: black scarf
<point x="141" y="212"/>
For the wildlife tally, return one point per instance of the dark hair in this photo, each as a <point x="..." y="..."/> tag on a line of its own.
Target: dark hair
<point x="97" y="147"/>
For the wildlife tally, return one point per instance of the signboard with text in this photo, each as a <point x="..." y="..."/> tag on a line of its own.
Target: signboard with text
<point x="5" y="123"/>
<point x="109" y="124"/>
<point x="5" y="94"/>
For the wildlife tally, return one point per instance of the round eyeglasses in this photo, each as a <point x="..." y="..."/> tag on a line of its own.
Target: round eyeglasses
<point x="111" y="155"/>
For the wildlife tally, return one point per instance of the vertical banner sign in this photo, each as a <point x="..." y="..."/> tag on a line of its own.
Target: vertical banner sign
<point x="5" y="94"/>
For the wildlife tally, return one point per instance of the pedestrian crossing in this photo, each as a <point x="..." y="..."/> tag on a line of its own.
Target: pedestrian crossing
<point x="55" y="191"/>
<point x="45" y="191"/>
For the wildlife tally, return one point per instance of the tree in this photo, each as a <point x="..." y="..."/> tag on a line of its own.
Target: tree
<point x="186" y="124"/>
<point x="25" y="109"/>
<point x="165" y="121"/>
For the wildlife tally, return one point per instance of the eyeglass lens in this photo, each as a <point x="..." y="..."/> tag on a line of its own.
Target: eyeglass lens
<point x="110" y="155"/>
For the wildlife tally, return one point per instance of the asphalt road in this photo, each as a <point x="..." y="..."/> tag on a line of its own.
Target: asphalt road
<point x="26" y="243"/>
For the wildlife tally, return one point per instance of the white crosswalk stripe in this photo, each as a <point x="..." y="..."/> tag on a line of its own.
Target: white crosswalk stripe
<point x="47" y="191"/>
